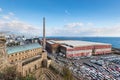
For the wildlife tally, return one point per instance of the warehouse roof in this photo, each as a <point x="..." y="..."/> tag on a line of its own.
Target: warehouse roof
<point x="68" y="47"/>
<point x="76" y="43"/>
<point x="25" y="47"/>
<point x="51" y="42"/>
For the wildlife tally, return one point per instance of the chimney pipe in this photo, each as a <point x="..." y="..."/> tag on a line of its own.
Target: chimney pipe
<point x="44" y="39"/>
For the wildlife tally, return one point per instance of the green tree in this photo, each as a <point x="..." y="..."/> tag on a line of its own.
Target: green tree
<point x="67" y="74"/>
<point x="44" y="63"/>
<point x="10" y="73"/>
<point x="29" y="77"/>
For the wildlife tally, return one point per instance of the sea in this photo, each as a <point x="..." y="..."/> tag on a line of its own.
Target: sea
<point x="115" y="41"/>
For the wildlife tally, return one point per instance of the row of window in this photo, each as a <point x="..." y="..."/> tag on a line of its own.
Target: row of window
<point x="17" y="56"/>
<point x="23" y="52"/>
<point x="21" y="58"/>
<point x="31" y="70"/>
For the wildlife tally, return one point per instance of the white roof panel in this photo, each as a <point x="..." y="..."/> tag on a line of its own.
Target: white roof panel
<point x="76" y="43"/>
<point x="68" y="47"/>
<point x="50" y="42"/>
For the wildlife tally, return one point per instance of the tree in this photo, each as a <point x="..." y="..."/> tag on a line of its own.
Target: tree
<point x="44" y="63"/>
<point x="10" y="73"/>
<point x="1" y="76"/>
<point x="29" y="77"/>
<point x="67" y="74"/>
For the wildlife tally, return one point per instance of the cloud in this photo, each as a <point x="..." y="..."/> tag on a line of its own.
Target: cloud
<point x="84" y="30"/>
<point x="76" y="24"/>
<point x="90" y="24"/>
<point x="0" y="9"/>
<point x="19" y="27"/>
<point x="6" y="17"/>
<point x="9" y="16"/>
<point x="9" y="22"/>
<point x="67" y="12"/>
<point x="11" y="13"/>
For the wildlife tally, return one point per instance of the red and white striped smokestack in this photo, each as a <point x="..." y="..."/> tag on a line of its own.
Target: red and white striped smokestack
<point x="44" y="39"/>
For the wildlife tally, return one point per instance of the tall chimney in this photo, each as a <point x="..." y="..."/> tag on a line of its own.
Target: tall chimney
<point x="44" y="39"/>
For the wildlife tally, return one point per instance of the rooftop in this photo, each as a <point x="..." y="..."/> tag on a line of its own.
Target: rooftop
<point x="51" y="41"/>
<point x="76" y="43"/>
<point x="20" y="48"/>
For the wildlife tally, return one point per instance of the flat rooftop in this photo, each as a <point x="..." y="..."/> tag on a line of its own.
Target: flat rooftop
<point x="51" y="41"/>
<point x="76" y="43"/>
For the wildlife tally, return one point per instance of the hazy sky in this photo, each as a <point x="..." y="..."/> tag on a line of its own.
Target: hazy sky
<point x="63" y="17"/>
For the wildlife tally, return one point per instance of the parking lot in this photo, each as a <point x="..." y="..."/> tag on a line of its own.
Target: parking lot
<point x="101" y="67"/>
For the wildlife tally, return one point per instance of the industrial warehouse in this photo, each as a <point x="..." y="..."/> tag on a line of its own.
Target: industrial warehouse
<point x="74" y="48"/>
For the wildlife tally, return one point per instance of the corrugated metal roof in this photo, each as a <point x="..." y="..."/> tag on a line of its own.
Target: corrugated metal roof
<point x="51" y="42"/>
<point x="68" y="47"/>
<point x="76" y="43"/>
<point x="15" y="49"/>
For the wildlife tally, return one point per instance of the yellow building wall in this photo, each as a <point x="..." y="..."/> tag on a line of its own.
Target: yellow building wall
<point x="23" y="55"/>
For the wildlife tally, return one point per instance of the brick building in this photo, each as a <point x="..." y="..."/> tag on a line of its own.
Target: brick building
<point x="74" y="48"/>
<point x="27" y="58"/>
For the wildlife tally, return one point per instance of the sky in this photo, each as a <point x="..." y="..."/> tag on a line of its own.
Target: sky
<point x="70" y="18"/>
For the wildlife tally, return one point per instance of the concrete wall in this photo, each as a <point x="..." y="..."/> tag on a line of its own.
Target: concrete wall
<point x="31" y="67"/>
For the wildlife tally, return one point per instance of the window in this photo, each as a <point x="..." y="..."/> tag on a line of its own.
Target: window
<point x="11" y="61"/>
<point x="35" y="67"/>
<point x="29" y="70"/>
<point x="26" y="72"/>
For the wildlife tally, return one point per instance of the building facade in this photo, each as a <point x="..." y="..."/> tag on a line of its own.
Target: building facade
<point x="73" y="48"/>
<point x="52" y="47"/>
<point x="27" y="58"/>
<point x="3" y="55"/>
